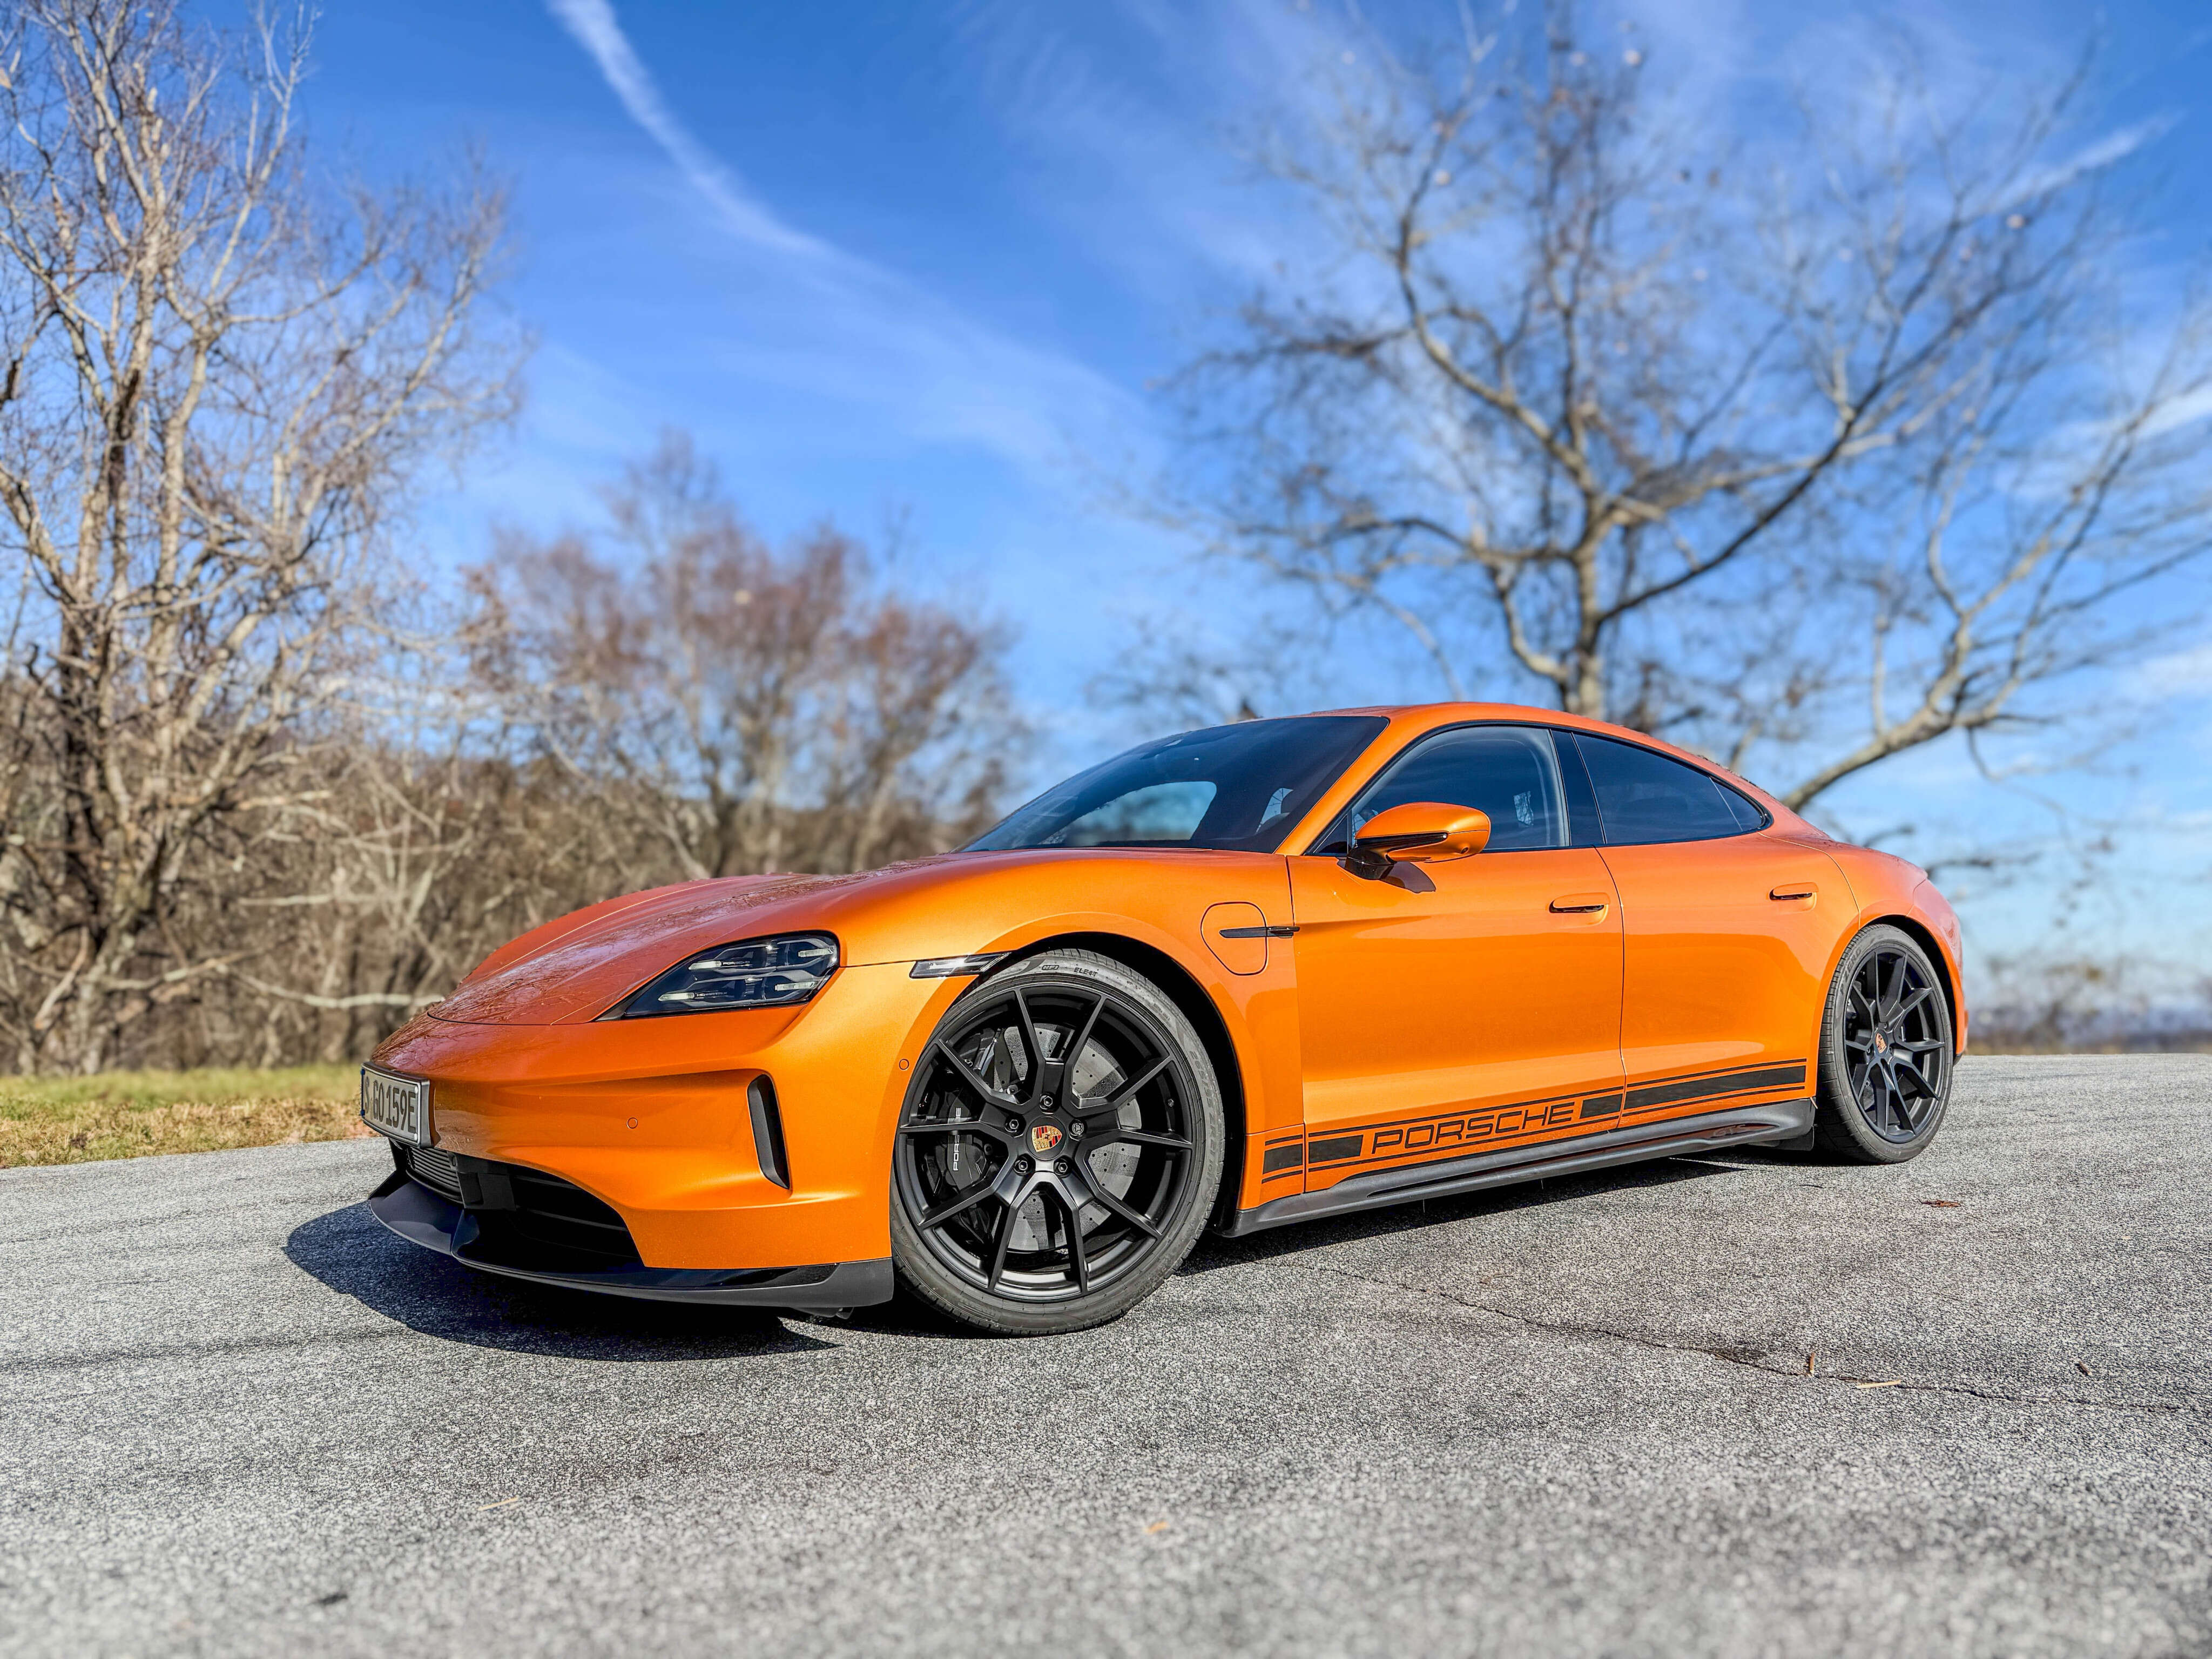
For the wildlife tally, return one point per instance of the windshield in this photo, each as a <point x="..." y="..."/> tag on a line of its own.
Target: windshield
<point x="1231" y="788"/>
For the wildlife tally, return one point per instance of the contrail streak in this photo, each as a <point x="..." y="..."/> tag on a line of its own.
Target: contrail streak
<point x="595" y="26"/>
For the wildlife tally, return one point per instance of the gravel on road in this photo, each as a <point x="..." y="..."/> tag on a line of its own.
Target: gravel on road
<point x="1746" y="1403"/>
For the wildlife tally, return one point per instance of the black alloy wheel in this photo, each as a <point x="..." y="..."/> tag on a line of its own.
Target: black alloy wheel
<point x="1886" y="1051"/>
<point x="1059" y="1148"/>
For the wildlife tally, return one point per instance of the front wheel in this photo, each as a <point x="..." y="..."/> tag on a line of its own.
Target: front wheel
<point x="1058" y="1150"/>
<point x="1886" y="1051"/>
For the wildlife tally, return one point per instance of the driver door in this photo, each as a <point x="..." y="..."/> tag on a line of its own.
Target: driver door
<point x="1466" y="1005"/>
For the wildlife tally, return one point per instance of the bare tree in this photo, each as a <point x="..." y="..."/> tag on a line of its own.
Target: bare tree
<point x="394" y="863"/>
<point x="2042" y="1003"/>
<point x="1174" y="671"/>
<point x="741" y="709"/>
<point x="220" y="378"/>
<point x="1810" y="456"/>
<point x="422" y="849"/>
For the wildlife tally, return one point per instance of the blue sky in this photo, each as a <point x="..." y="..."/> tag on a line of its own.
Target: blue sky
<point x="924" y="259"/>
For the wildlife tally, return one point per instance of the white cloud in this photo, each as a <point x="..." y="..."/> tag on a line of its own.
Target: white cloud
<point x="2185" y="410"/>
<point x="2184" y="673"/>
<point x="1127" y="119"/>
<point x="836" y="323"/>
<point x="2093" y="157"/>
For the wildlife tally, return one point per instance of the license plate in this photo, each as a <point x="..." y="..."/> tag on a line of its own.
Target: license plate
<point x="396" y="1106"/>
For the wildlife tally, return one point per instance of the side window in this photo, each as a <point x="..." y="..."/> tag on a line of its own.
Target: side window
<point x="1509" y="772"/>
<point x="1643" y="797"/>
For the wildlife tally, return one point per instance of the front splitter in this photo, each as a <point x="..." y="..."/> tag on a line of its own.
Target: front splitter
<point x="423" y="1217"/>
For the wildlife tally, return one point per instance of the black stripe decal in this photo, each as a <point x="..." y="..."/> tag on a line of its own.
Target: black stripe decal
<point x="1729" y="1082"/>
<point x="1335" y="1150"/>
<point x="1292" y="1157"/>
<point x="1451" y="1135"/>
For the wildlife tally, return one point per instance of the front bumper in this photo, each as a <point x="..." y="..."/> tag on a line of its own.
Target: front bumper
<point x="651" y="1116"/>
<point x="423" y="1217"/>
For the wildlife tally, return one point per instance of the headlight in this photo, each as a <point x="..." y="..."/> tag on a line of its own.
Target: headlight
<point x="752" y="973"/>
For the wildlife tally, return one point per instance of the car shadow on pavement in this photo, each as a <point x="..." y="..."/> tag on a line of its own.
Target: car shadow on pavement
<point x="1214" y="1251"/>
<point x="908" y="1315"/>
<point x="349" y="1250"/>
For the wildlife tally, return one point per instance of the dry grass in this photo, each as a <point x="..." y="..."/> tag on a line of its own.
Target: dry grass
<point x="74" y="1120"/>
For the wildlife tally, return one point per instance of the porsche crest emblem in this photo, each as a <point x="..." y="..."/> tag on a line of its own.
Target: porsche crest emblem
<point x="1044" y="1137"/>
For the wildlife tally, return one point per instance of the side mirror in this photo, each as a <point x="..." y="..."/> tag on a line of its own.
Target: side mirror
<point x="1419" y="832"/>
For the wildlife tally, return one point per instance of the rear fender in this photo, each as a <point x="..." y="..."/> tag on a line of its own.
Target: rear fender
<point x="1890" y="890"/>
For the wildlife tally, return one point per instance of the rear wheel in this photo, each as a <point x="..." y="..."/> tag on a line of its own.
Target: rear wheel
<point x="1058" y="1148"/>
<point x="1886" y="1051"/>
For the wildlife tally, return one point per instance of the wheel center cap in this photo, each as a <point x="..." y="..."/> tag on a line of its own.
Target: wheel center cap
<point x="1881" y="1043"/>
<point x="1044" y="1137"/>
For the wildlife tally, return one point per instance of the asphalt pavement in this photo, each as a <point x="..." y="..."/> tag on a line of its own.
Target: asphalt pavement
<point x="1750" y="1403"/>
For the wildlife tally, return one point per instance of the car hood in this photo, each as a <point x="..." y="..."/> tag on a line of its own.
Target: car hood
<point x="578" y="967"/>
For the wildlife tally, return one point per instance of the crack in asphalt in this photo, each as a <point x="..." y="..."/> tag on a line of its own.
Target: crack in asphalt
<point x="1568" y="1327"/>
<point x="294" y="1343"/>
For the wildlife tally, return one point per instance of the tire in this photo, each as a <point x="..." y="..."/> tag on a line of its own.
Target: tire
<point x="1887" y="1051"/>
<point x="1008" y="1157"/>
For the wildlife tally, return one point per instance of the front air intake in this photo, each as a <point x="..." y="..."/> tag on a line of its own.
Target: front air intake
<point x="435" y="1168"/>
<point x="767" y="1132"/>
<point x="524" y="1218"/>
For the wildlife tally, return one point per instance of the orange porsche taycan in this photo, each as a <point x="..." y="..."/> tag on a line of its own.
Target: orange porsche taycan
<point x="1240" y="977"/>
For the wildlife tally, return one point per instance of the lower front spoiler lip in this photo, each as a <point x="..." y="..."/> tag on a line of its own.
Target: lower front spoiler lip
<point x="422" y="1217"/>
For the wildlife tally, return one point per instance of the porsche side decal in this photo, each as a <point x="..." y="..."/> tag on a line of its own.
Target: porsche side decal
<point x="1451" y="1133"/>
<point x="1456" y="1132"/>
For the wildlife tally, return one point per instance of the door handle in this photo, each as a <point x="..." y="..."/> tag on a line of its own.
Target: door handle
<point x="1582" y="904"/>
<point x="1796" y="889"/>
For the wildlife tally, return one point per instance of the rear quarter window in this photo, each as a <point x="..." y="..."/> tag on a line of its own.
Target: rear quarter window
<point x="1645" y="797"/>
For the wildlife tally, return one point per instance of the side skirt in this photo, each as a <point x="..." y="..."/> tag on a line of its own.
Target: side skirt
<point x="1739" y="1126"/>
